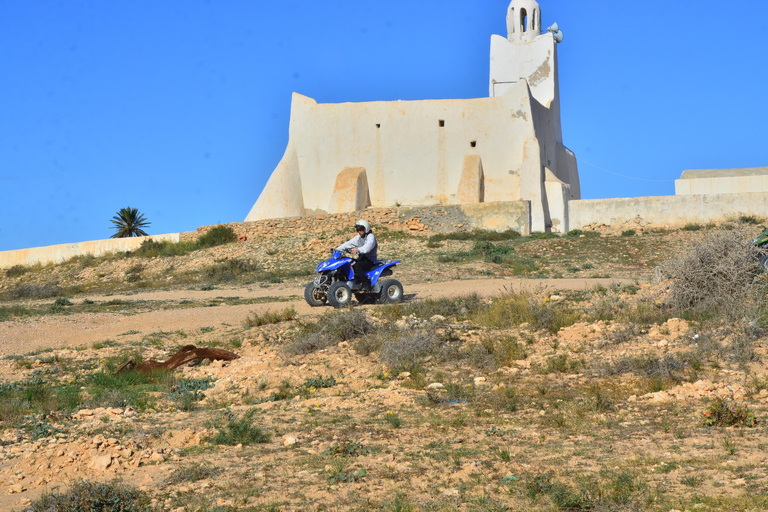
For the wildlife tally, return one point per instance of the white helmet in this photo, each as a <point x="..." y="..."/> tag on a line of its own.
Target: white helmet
<point x="362" y="223"/>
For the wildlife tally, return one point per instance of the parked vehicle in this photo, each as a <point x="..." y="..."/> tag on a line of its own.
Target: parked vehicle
<point x="335" y="283"/>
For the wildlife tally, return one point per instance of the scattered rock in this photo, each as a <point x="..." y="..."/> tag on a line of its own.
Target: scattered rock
<point x="101" y="462"/>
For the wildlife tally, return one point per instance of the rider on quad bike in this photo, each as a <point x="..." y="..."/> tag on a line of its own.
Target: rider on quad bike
<point x="366" y="246"/>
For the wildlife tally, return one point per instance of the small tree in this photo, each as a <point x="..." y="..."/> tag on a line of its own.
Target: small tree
<point x="129" y="222"/>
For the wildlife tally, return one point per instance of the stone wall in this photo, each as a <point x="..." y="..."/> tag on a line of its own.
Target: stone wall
<point x="63" y="252"/>
<point x="498" y="216"/>
<point x="664" y="211"/>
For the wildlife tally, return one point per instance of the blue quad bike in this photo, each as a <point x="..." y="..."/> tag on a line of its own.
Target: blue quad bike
<point x="335" y="283"/>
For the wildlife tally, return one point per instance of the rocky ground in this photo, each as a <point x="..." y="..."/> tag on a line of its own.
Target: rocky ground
<point x="565" y="384"/>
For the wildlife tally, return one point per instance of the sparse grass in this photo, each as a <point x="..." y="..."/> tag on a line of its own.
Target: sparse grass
<point x="193" y="472"/>
<point x="478" y="235"/>
<point x="11" y="312"/>
<point x="407" y="349"/>
<point x="459" y="308"/>
<point x="270" y="317"/>
<point x="107" y="389"/>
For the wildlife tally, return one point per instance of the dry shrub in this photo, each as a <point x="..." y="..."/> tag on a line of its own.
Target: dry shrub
<point x="269" y="317"/>
<point x="495" y="351"/>
<point x="408" y="349"/>
<point x="36" y="291"/>
<point x="515" y="308"/>
<point x="330" y="330"/>
<point x="715" y="275"/>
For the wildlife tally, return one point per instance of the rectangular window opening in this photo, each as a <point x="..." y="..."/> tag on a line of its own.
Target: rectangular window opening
<point x="441" y="123"/>
<point x="378" y="125"/>
<point x="473" y="144"/>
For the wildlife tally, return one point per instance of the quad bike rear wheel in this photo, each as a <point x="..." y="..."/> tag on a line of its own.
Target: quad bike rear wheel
<point x="339" y="294"/>
<point x="314" y="296"/>
<point x="763" y="259"/>
<point x="391" y="291"/>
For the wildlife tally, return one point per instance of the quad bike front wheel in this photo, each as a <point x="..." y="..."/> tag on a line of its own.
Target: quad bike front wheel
<point x="314" y="295"/>
<point x="391" y="291"/>
<point x="339" y="294"/>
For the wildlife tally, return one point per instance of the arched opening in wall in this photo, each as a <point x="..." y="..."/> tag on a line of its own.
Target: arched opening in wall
<point x="533" y="21"/>
<point x="523" y="20"/>
<point x="512" y="17"/>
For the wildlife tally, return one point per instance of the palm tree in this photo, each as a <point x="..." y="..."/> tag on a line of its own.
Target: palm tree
<point x="129" y="222"/>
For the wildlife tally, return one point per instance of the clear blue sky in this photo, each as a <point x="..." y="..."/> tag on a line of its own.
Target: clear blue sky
<point x="181" y="108"/>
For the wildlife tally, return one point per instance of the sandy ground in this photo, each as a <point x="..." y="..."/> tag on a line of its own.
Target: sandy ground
<point x="57" y="331"/>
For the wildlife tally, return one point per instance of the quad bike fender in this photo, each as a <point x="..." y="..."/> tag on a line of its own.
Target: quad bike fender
<point x="333" y="264"/>
<point x="384" y="270"/>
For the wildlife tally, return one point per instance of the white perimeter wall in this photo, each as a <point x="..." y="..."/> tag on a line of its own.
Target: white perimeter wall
<point x="664" y="211"/>
<point x="63" y="252"/>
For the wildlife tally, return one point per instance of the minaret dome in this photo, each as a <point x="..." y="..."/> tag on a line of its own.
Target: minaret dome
<point x="523" y="20"/>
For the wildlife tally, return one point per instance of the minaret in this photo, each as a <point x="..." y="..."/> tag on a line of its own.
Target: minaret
<point x="523" y="21"/>
<point x="525" y="53"/>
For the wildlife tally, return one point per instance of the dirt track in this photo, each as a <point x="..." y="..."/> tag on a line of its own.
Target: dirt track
<point x="56" y="331"/>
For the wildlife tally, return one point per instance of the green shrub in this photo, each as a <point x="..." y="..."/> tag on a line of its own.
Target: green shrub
<point x="629" y="232"/>
<point x="751" y="220"/>
<point x="186" y="392"/>
<point x="692" y="227"/>
<point x="393" y="419"/>
<point x="217" y="235"/>
<point x="561" y="364"/>
<point x="727" y="414"/>
<point x="349" y="448"/>
<point x="84" y="496"/>
<point x="241" y="431"/>
<point x="230" y="270"/>
<point x="16" y="271"/>
<point x="319" y="382"/>
<point x="150" y="248"/>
